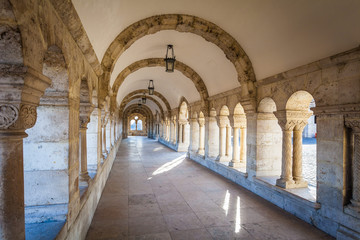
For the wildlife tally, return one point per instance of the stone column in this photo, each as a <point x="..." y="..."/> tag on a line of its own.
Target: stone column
<point x="228" y="142"/>
<point x="84" y="175"/>
<point x="12" y="218"/>
<point x="201" y="150"/>
<point x="353" y="122"/>
<point x="180" y="133"/>
<point x="235" y="162"/>
<point x="171" y="131"/>
<point x="110" y="135"/>
<point x="242" y="144"/>
<point x="194" y="134"/>
<point x="222" y="153"/>
<point x="212" y="142"/>
<point x="297" y="155"/>
<point x="175" y="132"/>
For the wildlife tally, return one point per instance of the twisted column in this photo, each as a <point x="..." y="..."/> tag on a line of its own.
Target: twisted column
<point x="297" y="154"/>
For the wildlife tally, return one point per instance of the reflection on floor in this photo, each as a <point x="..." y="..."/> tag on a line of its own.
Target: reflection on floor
<point x="156" y="193"/>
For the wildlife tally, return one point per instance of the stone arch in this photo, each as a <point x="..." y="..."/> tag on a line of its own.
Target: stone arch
<point x="141" y="91"/>
<point x="267" y="105"/>
<point x="125" y="102"/>
<point x="144" y="110"/>
<point x="184" y="110"/>
<point x="154" y="62"/>
<point x="224" y="111"/>
<point x="299" y="101"/>
<point x="239" y="109"/>
<point x="182" y="23"/>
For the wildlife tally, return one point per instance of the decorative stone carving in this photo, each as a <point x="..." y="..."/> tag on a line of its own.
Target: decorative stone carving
<point x="28" y="116"/>
<point x="8" y="115"/>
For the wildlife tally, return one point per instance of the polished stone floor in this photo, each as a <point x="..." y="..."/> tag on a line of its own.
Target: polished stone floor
<point x="156" y="193"/>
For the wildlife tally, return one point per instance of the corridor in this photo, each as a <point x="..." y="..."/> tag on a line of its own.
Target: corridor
<point x="155" y="193"/>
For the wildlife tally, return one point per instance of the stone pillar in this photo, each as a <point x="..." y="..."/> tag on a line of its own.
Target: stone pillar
<point x="12" y="218"/>
<point x="286" y="179"/>
<point x="353" y="122"/>
<point x="228" y="142"/>
<point x="84" y="175"/>
<point x="110" y="133"/>
<point x="180" y="133"/>
<point x="201" y="150"/>
<point x="175" y="132"/>
<point x="212" y="142"/>
<point x="222" y="153"/>
<point x="297" y="155"/>
<point x="194" y="134"/>
<point x="235" y="162"/>
<point x="242" y="144"/>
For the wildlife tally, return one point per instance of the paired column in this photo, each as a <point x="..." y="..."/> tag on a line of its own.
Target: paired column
<point x="239" y="146"/>
<point x="292" y="123"/>
<point x="222" y="153"/>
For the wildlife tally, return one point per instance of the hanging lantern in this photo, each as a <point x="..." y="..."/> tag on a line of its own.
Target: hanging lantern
<point x="151" y="87"/>
<point x="139" y="103"/>
<point x="143" y="99"/>
<point x="169" y="59"/>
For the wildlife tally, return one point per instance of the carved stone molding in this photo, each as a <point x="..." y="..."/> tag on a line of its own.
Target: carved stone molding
<point x="28" y="116"/>
<point x="84" y="120"/>
<point x="8" y="115"/>
<point x="201" y="122"/>
<point x="290" y="120"/>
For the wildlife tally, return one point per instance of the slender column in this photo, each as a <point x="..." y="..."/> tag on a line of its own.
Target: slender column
<point x="235" y="162"/>
<point x="286" y="168"/>
<point x="180" y="133"/>
<point x="12" y="219"/>
<point x="84" y="175"/>
<point x="175" y="132"/>
<point x="222" y="152"/>
<point x="228" y="141"/>
<point x="297" y="155"/>
<point x="242" y="144"/>
<point x="104" y="139"/>
<point x="100" y="156"/>
<point x="110" y="135"/>
<point x="201" y="150"/>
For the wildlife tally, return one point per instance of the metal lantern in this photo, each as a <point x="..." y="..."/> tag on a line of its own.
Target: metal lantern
<point x="143" y="99"/>
<point x="169" y="60"/>
<point x="151" y="87"/>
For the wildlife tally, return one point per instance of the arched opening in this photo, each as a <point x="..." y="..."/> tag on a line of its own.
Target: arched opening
<point x="239" y="139"/>
<point x="225" y="151"/>
<point x="184" y="128"/>
<point x="268" y="140"/>
<point x="46" y="150"/>
<point x="299" y="154"/>
<point x="137" y="125"/>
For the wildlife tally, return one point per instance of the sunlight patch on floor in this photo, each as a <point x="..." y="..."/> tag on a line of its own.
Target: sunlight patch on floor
<point x="238" y="219"/>
<point x="170" y="165"/>
<point x="226" y="202"/>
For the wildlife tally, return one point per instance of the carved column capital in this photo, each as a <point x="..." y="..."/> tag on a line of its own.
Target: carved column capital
<point x="239" y="121"/>
<point x="292" y="120"/>
<point x="201" y="122"/>
<point x="353" y="121"/>
<point x="223" y="121"/>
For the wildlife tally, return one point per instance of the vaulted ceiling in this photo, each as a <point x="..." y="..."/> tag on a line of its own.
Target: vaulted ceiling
<point x="276" y="35"/>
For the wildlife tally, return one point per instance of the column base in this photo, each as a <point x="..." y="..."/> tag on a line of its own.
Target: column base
<point x="236" y="164"/>
<point x="84" y="177"/>
<point x="353" y="208"/>
<point x="291" y="183"/>
<point x="201" y="152"/>
<point x="223" y="159"/>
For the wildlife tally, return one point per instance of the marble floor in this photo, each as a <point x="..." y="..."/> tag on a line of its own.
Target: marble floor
<point x="156" y="193"/>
